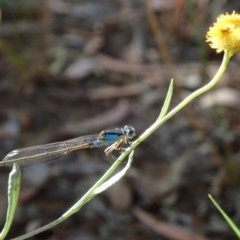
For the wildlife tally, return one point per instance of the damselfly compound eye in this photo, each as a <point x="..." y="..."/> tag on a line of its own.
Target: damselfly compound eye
<point x="129" y="130"/>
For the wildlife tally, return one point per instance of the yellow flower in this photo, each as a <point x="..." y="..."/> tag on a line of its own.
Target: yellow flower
<point x="224" y="35"/>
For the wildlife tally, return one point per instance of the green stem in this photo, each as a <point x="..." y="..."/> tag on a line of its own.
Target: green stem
<point x="78" y="205"/>
<point x="161" y="119"/>
<point x="187" y="100"/>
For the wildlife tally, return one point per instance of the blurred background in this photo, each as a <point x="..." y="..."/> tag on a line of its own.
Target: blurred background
<point x="71" y="67"/>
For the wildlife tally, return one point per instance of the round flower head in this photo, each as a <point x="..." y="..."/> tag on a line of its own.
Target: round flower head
<point x="224" y="35"/>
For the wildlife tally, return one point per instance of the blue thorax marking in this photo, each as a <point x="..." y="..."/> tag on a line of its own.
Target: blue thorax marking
<point x="112" y="136"/>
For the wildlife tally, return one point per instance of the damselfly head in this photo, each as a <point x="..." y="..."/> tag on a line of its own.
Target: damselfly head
<point x="129" y="130"/>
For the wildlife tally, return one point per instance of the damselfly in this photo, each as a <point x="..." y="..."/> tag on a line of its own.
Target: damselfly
<point x="117" y="138"/>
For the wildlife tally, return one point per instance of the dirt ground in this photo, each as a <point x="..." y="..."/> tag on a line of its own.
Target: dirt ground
<point x="72" y="67"/>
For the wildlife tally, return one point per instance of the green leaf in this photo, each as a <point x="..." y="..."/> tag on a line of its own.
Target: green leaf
<point x="226" y="217"/>
<point x="13" y="193"/>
